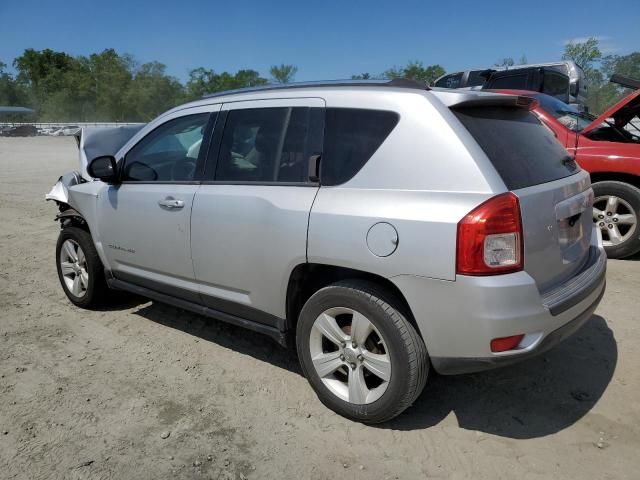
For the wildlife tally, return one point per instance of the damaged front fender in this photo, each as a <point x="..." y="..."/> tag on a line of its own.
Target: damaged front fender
<point x="60" y="191"/>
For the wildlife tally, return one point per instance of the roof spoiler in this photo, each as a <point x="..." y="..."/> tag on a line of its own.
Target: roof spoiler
<point x="625" y="82"/>
<point x="497" y="100"/>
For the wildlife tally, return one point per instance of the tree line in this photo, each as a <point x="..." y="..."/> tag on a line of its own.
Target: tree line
<point x="109" y="86"/>
<point x="598" y="68"/>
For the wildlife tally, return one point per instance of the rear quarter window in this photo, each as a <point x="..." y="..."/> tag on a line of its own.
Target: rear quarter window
<point x="523" y="151"/>
<point x="351" y="137"/>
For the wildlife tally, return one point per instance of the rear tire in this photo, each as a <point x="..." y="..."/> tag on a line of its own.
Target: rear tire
<point x="80" y="270"/>
<point x="388" y="365"/>
<point x="621" y="239"/>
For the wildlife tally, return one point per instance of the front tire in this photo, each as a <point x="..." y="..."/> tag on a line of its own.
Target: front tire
<point x="616" y="211"/>
<point x="360" y="353"/>
<point x="80" y="270"/>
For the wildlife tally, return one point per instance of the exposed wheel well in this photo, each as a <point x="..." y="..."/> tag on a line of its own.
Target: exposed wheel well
<point x="69" y="217"/>
<point x="308" y="278"/>
<point x="616" y="176"/>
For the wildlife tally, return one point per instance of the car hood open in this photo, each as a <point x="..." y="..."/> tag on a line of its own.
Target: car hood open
<point x="96" y="141"/>
<point x="622" y="112"/>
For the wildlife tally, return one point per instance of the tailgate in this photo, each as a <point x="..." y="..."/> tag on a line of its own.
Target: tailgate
<point x="555" y="195"/>
<point x="557" y="226"/>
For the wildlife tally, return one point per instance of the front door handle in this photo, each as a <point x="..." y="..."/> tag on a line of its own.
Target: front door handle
<point x="171" y="203"/>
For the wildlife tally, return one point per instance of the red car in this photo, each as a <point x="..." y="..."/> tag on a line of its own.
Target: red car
<point x="608" y="147"/>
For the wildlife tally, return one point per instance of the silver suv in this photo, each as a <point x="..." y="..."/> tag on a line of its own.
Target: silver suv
<point x="385" y="228"/>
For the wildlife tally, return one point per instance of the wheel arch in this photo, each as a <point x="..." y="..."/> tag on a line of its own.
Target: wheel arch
<point x="307" y="278"/>
<point x="70" y="217"/>
<point x="629" y="178"/>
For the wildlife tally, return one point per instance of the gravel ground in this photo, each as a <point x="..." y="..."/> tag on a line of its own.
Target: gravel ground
<point x="144" y="390"/>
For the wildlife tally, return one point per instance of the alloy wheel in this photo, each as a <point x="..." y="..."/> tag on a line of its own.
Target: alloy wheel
<point x="73" y="265"/>
<point x="616" y="219"/>
<point x="350" y="355"/>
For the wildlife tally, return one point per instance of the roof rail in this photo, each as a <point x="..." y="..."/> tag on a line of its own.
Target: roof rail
<point x="396" y="82"/>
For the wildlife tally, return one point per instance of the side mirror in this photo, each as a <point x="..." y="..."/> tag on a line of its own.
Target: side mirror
<point x="103" y="168"/>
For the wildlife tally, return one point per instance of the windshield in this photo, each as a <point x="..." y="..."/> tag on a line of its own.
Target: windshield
<point x="567" y="115"/>
<point x="453" y="80"/>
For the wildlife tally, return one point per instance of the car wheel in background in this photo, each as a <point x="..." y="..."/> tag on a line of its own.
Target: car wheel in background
<point x="616" y="210"/>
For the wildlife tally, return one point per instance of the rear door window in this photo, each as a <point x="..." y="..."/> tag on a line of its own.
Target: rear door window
<point x="268" y="145"/>
<point x="523" y="151"/>
<point x="351" y="137"/>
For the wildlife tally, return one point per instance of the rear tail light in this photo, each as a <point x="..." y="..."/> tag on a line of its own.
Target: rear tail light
<point x="490" y="238"/>
<point x="504" y="344"/>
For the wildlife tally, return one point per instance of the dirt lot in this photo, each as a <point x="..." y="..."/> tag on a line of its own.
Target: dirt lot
<point x="92" y="394"/>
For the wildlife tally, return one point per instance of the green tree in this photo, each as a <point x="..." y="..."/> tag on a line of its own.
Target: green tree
<point x="415" y="70"/>
<point x="604" y="94"/>
<point x="107" y="76"/>
<point x="586" y="54"/>
<point x="150" y="92"/>
<point x="203" y="81"/>
<point x="199" y="83"/>
<point x="42" y="68"/>
<point x="627" y="65"/>
<point x="283" y="73"/>
<point x="361" y="76"/>
<point x="505" y="62"/>
<point x="249" y="78"/>
<point x="42" y="74"/>
<point x="11" y="93"/>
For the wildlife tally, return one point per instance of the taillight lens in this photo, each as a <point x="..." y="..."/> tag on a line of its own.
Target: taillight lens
<point x="490" y="238"/>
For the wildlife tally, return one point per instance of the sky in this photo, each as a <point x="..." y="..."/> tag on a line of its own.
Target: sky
<point x="325" y="39"/>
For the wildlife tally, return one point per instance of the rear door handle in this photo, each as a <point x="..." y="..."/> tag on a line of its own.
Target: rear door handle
<point x="171" y="203"/>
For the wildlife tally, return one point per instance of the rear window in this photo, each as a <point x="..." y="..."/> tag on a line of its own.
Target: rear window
<point x="556" y="85"/>
<point x="523" y="151"/>
<point x="351" y="137"/>
<point x="476" y="78"/>
<point x="452" y="80"/>
<point x="516" y="81"/>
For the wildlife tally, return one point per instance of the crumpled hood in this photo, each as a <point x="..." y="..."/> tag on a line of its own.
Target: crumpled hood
<point x="622" y="112"/>
<point x="96" y="141"/>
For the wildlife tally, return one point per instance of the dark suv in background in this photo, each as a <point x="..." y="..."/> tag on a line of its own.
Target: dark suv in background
<point x="563" y="80"/>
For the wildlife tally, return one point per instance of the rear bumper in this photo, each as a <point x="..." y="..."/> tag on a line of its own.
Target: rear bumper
<point x="454" y="366"/>
<point x="459" y="319"/>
